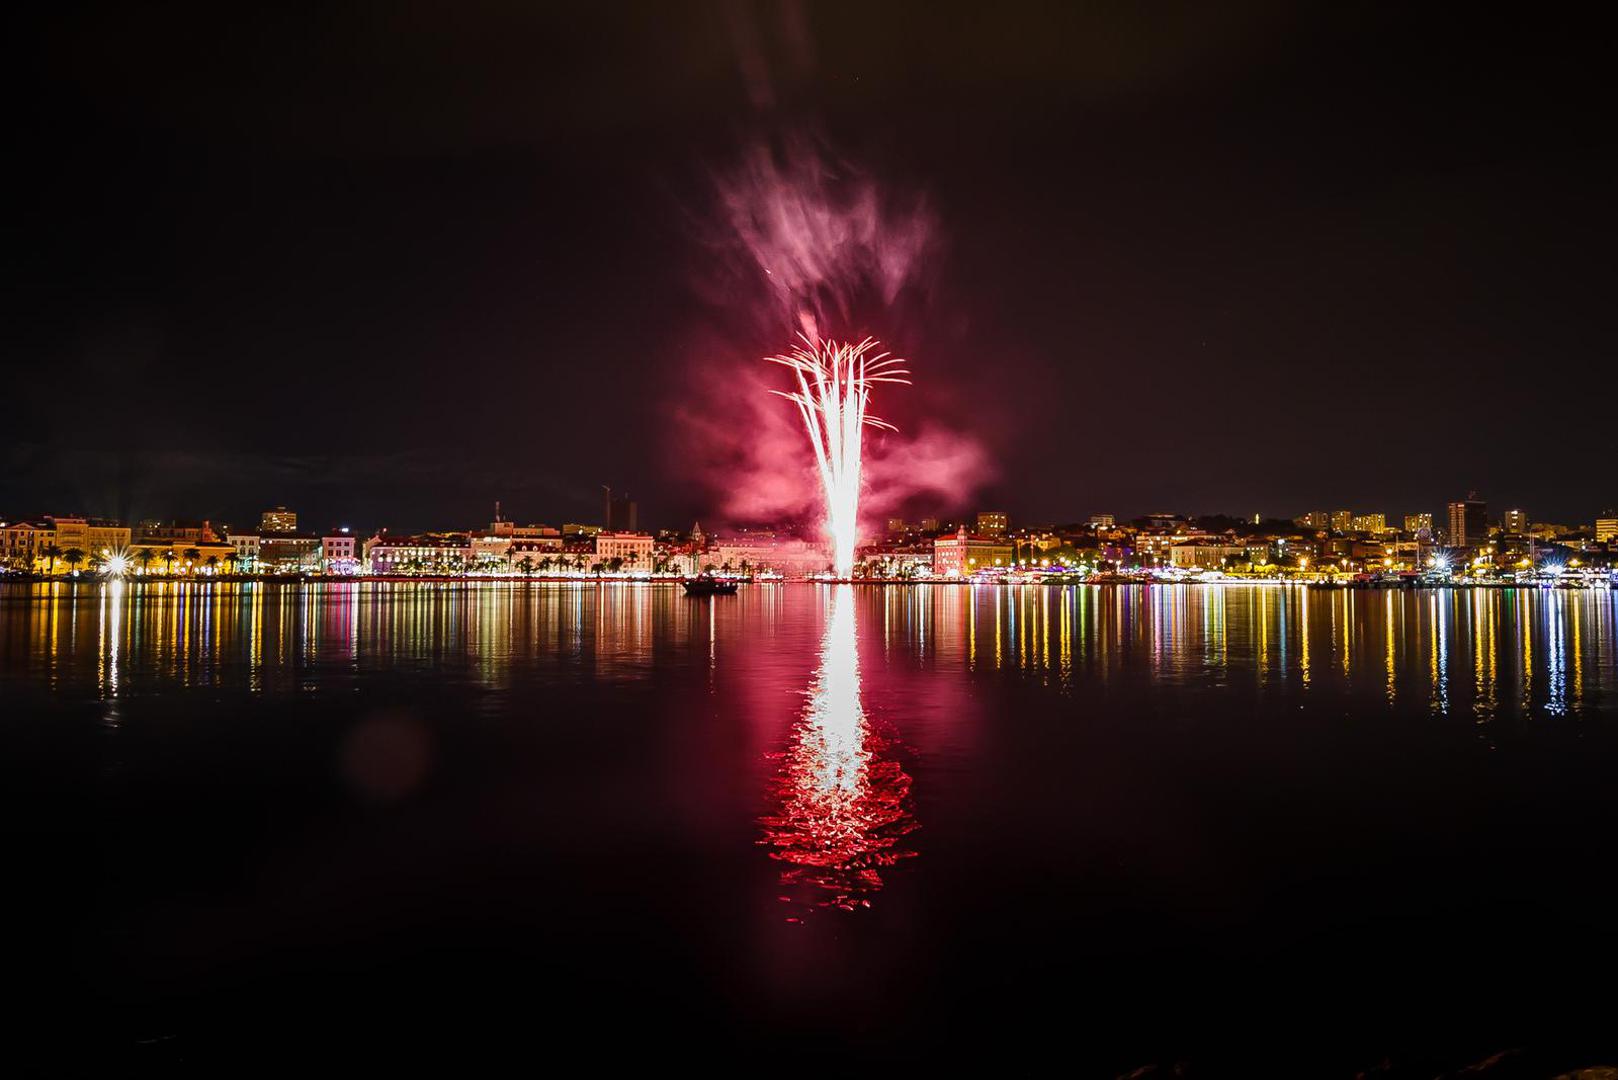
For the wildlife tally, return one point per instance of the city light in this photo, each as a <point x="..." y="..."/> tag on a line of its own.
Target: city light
<point x="834" y="389"/>
<point x="115" y="566"/>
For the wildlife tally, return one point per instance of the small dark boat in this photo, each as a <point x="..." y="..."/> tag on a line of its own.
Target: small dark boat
<point x="707" y="586"/>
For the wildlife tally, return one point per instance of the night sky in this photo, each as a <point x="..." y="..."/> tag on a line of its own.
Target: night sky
<point x="388" y="264"/>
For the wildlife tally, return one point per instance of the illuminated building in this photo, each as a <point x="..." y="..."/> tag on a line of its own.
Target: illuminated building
<point x="1152" y="549"/>
<point x="284" y="550"/>
<point x="1342" y="521"/>
<point x="1314" y="519"/>
<point x="279" y="520"/>
<point x="1042" y="541"/>
<point x="929" y="525"/>
<point x="788" y="557"/>
<point x="634" y="548"/>
<point x="545" y="549"/>
<point x="523" y="532"/>
<point x="964" y="553"/>
<point x="155" y="555"/>
<point x="177" y="532"/>
<point x="1607" y="527"/>
<point x="896" y="557"/>
<point x="1102" y="521"/>
<point x="245" y="546"/>
<point x="89" y="536"/>
<point x="289" y="553"/>
<point x="1468" y="522"/>
<point x="992" y="523"/>
<point x="488" y="552"/>
<point x="22" y="543"/>
<point x="1370" y="523"/>
<point x="897" y="525"/>
<point x="1515" y="522"/>
<point x="899" y="562"/>
<point x="430" y="553"/>
<point x="506" y="544"/>
<point x="337" y="554"/>
<point x="1204" y="555"/>
<point x="1405" y="553"/>
<point x="1415" y="523"/>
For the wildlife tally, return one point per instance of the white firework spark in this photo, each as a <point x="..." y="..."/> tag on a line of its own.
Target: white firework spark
<point x="834" y="389"/>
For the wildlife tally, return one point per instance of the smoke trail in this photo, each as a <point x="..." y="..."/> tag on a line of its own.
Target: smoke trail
<point x="821" y="235"/>
<point x="803" y="240"/>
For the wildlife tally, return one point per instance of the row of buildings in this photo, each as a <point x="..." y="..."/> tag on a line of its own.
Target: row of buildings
<point x="1319" y="543"/>
<point x="55" y="544"/>
<point x="51" y="543"/>
<point x="1315" y="543"/>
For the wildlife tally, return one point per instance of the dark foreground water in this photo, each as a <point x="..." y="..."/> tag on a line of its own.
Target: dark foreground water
<point x="1270" y="831"/>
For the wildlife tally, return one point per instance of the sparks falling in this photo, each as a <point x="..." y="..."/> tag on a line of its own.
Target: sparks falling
<point x="834" y="389"/>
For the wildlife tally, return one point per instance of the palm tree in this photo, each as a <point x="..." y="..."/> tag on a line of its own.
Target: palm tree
<point x="213" y="563"/>
<point x="73" y="557"/>
<point x="526" y="564"/>
<point x="230" y="562"/>
<point x="615" y="564"/>
<point x="192" y="555"/>
<point x="596" y="568"/>
<point x="144" y="557"/>
<point x="545" y="564"/>
<point x="51" y="552"/>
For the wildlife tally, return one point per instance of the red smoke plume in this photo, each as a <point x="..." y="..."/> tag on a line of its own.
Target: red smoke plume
<point x="749" y="449"/>
<point x="802" y="239"/>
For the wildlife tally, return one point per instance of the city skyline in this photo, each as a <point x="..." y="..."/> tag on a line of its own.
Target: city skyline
<point x="620" y="512"/>
<point x="1466" y="545"/>
<point x="799" y="532"/>
<point x="376" y="310"/>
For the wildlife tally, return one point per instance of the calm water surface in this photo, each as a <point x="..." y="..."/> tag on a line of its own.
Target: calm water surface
<point x="839" y="822"/>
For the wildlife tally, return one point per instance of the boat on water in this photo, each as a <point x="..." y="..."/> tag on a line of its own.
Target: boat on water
<point x="707" y="586"/>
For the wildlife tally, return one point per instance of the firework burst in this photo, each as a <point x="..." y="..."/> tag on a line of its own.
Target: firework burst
<point x="834" y="389"/>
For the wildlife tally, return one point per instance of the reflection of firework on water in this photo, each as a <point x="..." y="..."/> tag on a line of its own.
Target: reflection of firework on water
<point x="842" y="810"/>
<point x="834" y="388"/>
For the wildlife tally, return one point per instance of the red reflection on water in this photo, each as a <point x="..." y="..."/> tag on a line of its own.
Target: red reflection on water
<point x="842" y="808"/>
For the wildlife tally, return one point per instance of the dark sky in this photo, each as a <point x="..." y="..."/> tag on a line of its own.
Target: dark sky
<point x="388" y="263"/>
